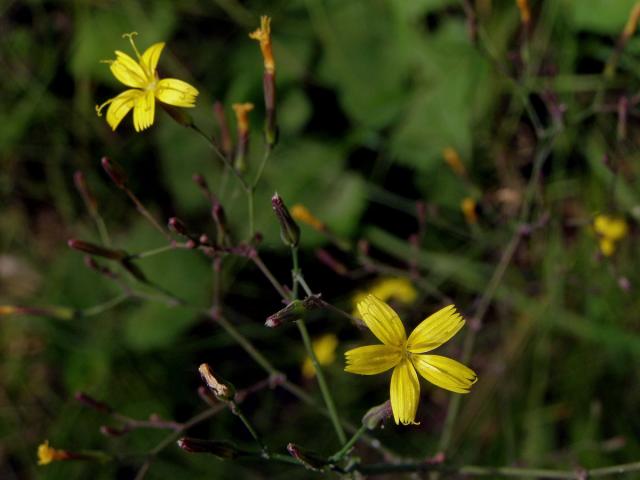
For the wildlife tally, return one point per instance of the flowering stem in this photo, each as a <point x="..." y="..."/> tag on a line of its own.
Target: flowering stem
<point x="267" y="273"/>
<point x="246" y="345"/>
<point x="103" y="307"/>
<point x="145" y="213"/>
<point x="151" y="253"/>
<point x="339" y="455"/>
<point x="324" y="388"/>
<point x="238" y="413"/>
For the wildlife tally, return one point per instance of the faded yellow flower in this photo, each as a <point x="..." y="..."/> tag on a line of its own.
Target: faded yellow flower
<point x="406" y="355"/>
<point x="46" y="454"/>
<point x="147" y="87"/>
<point x="325" y="349"/>
<point x="304" y="215"/>
<point x="610" y="231"/>
<point x="452" y="158"/>
<point x="263" y="35"/>
<point x="468" y="207"/>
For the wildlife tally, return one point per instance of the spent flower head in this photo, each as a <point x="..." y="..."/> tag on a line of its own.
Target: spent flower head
<point x="407" y="355"/>
<point x="263" y="35"/>
<point x="146" y="85"/>
<point x="47" y="454"/>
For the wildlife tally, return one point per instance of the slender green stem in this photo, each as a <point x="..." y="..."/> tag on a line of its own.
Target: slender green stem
<point x="103" y="307"/>
<point x="151" y="253"/>
<point x="267" y="273"/>
<point x="263" y="163"/>
<point x="340" y="454"/>
<point x="247" y="345"/>
<point x="146" y="214"/>
<point x="237" y="412"/>
<point x="252" y="228"/>
<point x="102" y="229"/>
<point x="295" y="273"/>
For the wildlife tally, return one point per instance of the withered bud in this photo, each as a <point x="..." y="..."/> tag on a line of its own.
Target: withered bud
<point x="115" y="171"/>
<point x="80" y="181"/>
<point x="289" y="229"/>
<point x="222" y="389"/>
<point x="181" y="116"/>
<point x="221" y="449"/>
<point x="91" y="402"/>
<point x="199" y="180"/>
<point x="93" y="249"/>
<point x="310" y="460"/>
<point x="178" y="226"/>
<point x="377" y="415"/>
<point x="217" y="212"/>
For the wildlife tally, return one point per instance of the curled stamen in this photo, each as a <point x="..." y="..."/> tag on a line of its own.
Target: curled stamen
<point x="133" y="44"/>
<point x="100" y="107"/>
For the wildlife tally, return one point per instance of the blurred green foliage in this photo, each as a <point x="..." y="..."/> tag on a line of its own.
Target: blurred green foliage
<point x="369" y="94"/>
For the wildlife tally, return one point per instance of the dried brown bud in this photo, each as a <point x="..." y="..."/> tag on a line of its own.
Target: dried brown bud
<point x="115" y="172"/>
<point x="289" y="229"/>
<point x="222" y="389"/>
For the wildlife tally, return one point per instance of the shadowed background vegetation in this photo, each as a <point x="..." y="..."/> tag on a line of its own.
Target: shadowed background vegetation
<point x="370" y="93"/>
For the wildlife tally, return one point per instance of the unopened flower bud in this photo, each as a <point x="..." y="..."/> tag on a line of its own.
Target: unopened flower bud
<point x="222" y="389"/>
<point x="220" y="449"/>
<point x="377" y="415"/>
<point x="91" y="402"/>
<point x="115" y="171"/>
<point x="217" y="212"/>
<point x="292" y="312"/>
<point x="310" y="460"/>
<point x="93" y="249"/>
<point x="177" y="226"/>
<point x="289" y="229"/>
<point x="80" y="181"/>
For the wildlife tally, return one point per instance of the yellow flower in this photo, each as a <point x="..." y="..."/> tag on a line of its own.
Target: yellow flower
<point x="263" y="35"/>
<point x="242" y="116"/>
<point x="46" y="454"/>
<point x="610" y="230"/>
<point x="142" y="76"/>
<point x="468" y="207"/>
<point x="399" y="289"/>
<point x="304" y="215"/>
<point x="325" y="349"/>
<point x="406" y="355"/>
<point x="452" y="158"/>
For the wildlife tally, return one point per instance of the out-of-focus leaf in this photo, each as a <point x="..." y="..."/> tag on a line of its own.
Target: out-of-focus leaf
<point x="599" y="16"/>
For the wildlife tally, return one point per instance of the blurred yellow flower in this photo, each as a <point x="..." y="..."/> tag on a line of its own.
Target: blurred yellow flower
<point x="452" y="158"/>
<point x="405" y="355"/>
<point x="610" y="230"/>
<point x="46" y="454"/>
<point x="468" y="207"/>
<point x="388" y="288"/>
<point x="325" y="349"/>
<point x="142" y="76"/>
<point x="304" y="215"/>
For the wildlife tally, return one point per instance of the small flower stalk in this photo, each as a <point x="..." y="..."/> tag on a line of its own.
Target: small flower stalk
<point x="89" y="199"/>
<point x="289" y="229"/>
<point x="146" y="88"/>
<point x="242" y="125"/>
<point x="263" y="35"/>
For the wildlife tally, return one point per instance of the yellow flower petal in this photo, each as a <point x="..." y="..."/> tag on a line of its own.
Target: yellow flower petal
<point x="372" y="359"/>
<point x="176" y="92"/>
<point x="435" y="330"/>
<point x="445" y="372"/>
<point x="144" y="111"/>
<point x="150" y="57"/>
<point x="382" y="321"/>
<point x="405" y="393"/>
<point x="121" y="105"/>
<point x="128" y="71"/>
